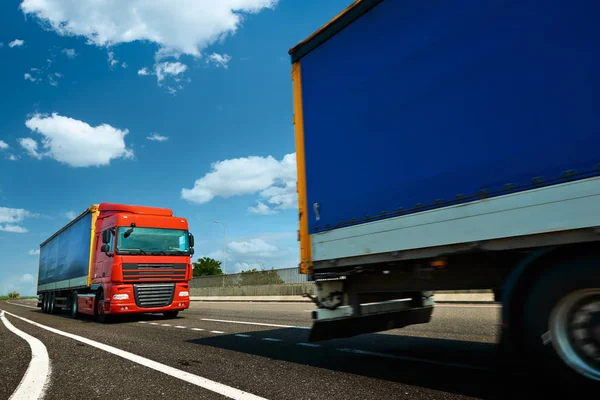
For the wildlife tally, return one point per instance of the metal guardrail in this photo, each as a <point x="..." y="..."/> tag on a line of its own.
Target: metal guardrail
<point x="266" y="277"/>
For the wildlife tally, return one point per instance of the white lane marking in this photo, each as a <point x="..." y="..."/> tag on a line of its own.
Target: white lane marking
<point x="33" y="384"/>
<point x="242" y="335"/>
<point x="197" y="329"/>
<point x="469" y="305"/>
<point x="308" y="344"/>
<point x="165" y="324"/>
<point x="142" y="322"/>
<point x="255" y="323"/>
<point x="153" y="323"/>
<point x="216" y="332"/>
<point x="205" y="383"/>
<point x="415" y="359"/>
<point x="268" y="339"/>
<point x="20" y="305"/>
<point x="180" y="327"/>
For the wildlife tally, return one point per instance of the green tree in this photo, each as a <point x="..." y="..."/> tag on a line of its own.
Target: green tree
<point x="13" y="295"/>
<point x="207" y="266"/>
<point x="260" y="277"/>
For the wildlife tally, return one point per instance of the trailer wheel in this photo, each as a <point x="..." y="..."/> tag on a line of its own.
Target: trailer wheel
<point x="99" y="308"/>
<point x="74" y="306"/>
<point x="562" y="323"/>
<point x="170" y="314"/>
<point x="52" y="303"/>
<point x="45" y="303"/>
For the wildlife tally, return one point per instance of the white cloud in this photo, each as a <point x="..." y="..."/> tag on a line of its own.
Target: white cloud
<point x="169" y="69"/>
<point x="218" y="255"/>
<point x="261" y="209"/>
<point x="28" y="77"/>
<point x="219" y="60"/>
<point x="75" y="142"/>
<point x="70" y="215"/>
<point x="70" y="53"/>
<point x="124" y="65"/>
<point x="34" y="252"/>
<point x="31" y="146"/>
<point x="143" y="72"/>
<point x="11" y="219"/>
<point x="177" y="26"/>
<point x="275" y="181"/>
<point x="157" y="138"/>
<point x="12" y="157"/>
<point x="3" y="145"/>
<point x="52" y="81"/>
<point x="28" y="278"/>
<point x="16" y="43"/>
<point x="254" y="247"/>
<point x="58" y="74"/>
<point x="111" y="59"/>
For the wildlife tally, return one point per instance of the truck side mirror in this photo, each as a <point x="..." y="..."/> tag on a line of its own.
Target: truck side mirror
<point x="106" y="236"/>
<point x="191" y="241"/>
<point x="105" y="248"/>
<point x="192" y="251"/>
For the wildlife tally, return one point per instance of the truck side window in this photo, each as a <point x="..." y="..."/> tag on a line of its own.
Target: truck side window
<point x="111" y="244"/>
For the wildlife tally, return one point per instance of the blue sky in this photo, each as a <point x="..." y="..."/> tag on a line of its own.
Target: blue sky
<point x="185" y="104"/>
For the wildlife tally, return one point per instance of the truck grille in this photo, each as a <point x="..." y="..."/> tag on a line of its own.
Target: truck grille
<point x="152" y="295"/>
<point x="153" y="272"/>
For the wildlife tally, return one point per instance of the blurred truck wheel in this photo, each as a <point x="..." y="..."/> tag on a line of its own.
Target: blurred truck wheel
<point x="170" y="314"/>
<point x="99" y="308"/>
<point x="45" y="303"/>
<point x="74" y="305"/>
<point x="562" y="323"/>
<point x="52" y="303"/>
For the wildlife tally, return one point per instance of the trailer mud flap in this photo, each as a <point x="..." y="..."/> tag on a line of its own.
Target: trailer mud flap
<point x="352" y="326"/>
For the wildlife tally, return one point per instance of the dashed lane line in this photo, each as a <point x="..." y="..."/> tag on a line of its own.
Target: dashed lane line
<point x="20" y="305"/>
<point x="255" y="323"/>
<point x="414" y="359"/>
<point x="196" y="380"/>
<point x="217" y="332"/>
<point x="308" y="344"/>
<point x="33" y="384"/>
<point x="268" y="339"/>
<point x="242" y="335"/>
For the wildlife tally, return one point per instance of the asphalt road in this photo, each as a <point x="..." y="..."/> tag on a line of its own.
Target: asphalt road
<point x="260" y="349"/>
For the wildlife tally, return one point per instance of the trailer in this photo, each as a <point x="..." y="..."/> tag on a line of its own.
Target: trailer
<point x="453" y="146"/>
<point x="116" y="259"/>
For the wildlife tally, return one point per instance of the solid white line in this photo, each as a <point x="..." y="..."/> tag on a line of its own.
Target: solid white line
<point x="421" y="360"/>
<point x="219" y="332"/>
<point x="268" y="339"/>
<point x="213" y="386"/>
<point x="255" y="323"/>
<point x="32" y="385"/>
<point x="20" y="305"/>
<point x="308" y="344"/>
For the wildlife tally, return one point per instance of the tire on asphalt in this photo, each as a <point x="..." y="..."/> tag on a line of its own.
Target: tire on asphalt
<point x="548" y="299"/>
<point x="170" y="314"/>
<point x="99" y="308"/>
<point x="74" y="306"/>
<point x="52" y="303"/>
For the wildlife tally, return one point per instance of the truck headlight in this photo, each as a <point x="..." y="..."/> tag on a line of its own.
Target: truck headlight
<point x="184" y="294"/>
<point x="123" y="296"/>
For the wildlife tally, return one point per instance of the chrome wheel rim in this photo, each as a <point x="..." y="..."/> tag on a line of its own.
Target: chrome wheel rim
<point x="575" y="331"/>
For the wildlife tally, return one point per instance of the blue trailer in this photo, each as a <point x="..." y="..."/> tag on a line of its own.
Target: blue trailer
<point x="454" y="145"/>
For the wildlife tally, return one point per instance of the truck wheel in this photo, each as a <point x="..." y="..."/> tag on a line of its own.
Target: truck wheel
<point x="74" y="306"/>
<point x="99" y="308"/>
<point x="562" y="323"/>
<point x="52" y="303"/>
<point x="45" y="303"/>
<point x="170" y="314"/>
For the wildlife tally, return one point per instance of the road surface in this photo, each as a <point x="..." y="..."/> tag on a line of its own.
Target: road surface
<point x="241" y="350"/>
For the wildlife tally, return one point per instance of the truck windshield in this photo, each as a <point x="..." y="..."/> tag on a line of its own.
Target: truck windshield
<point x="154" y="241"/>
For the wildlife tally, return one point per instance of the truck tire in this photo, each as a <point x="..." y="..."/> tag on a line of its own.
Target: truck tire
<point x="562" y="324"/>
<point x="52" y="303"/>
<point x="170" y="314"/>
<point x="74" y="306"/>
<point x="99" y="308"/>
<point x="45" y="303"/>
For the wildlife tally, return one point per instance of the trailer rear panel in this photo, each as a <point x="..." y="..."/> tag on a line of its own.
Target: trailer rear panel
<point x="65" y="257"/>
<point x="419" y="104"/>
